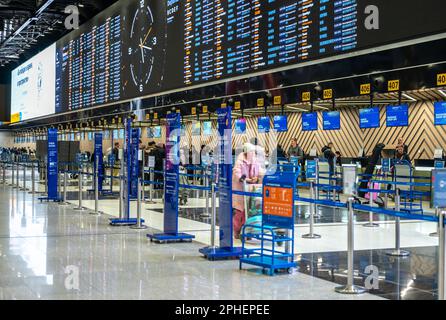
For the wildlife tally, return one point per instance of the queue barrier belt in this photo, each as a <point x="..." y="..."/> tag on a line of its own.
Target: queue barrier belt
<point x="328" y="203"/>
<point x="186" y="186"/>
<point x="248" y="194"/>
<point x="152" y="182"/>
<point x="401" y="214"/>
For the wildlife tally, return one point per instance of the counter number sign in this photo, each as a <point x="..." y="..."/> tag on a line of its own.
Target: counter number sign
<point x="365" y="89"/>
<point x="393" y="85"/>
<point x="441" y="79"/>
<point x="328" y="94"/>
<point x="306" y="96"/>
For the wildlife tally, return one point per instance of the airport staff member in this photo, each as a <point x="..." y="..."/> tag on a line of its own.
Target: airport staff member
<point x="401" y="154"/>
<point x="328" y="154"/>
<point x="295" y="150"/>
<point x="401" y="143"/>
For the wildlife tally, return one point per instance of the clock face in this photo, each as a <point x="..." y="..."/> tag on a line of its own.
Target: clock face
<point x="142" y="48"/>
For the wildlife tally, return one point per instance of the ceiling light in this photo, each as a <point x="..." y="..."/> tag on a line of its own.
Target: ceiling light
<point x="321" y="107"/>
<point x="442" y="92"/>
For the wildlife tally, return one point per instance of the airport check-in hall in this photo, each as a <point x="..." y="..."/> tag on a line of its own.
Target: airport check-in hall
<point x="243" y="150"/>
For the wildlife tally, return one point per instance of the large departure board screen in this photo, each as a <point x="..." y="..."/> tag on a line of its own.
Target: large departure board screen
<point x="137" y="48"/>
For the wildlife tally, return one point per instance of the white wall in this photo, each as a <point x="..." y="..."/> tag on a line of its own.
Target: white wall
<point x="6" y="139"/>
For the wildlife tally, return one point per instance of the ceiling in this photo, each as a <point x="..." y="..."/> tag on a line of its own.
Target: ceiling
<point x="28" y="26"/>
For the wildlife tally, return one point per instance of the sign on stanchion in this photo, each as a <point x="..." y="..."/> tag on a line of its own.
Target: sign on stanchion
<point x="52" y="168"/>
<point x="350" y="288"/>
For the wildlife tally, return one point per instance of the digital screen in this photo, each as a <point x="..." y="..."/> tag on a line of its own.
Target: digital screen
<point x="33" y="87"/>
<point x="207" y="128"/>
<point x="240" y="126"/>
<point x="196" y="128"/>
<point x="332" y="120"/>
<point x="137" y="48"/>
<point x="369" y="118"/>
<point x="121" y="134"/>
<point x="154" y="132"/>
<point x="397" y="116"/>
<point x="281" y="123"/>
<point x="440" y="113"/>
<point x="263" y="124"/>
<point x="309" y="121"/>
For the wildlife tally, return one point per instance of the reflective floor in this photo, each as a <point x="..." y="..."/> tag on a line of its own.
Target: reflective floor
<point x="49" y="251"/>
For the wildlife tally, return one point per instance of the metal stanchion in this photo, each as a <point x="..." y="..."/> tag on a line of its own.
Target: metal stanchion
<point x="33" y="179"/>
<point x="24" y="188"/>
<point x="13" y="176"/>
<point x="152" y="179"/>
<point x="96" y="190"/>
<point x="334" y="194"/>
<point x="441" y="256"/>
<point x="398" y="252"/>
<point x="312" y="235"/>
<point x="139" y="225"/>
<point x="4" y="173"/>
<point x="350" y="288"/>
<point x="80" y="207"/>
<point x="17" y="178"/>
<point x="435" y="234"/>
<point x="64" y="201"/>
<point x="371" y="224"/>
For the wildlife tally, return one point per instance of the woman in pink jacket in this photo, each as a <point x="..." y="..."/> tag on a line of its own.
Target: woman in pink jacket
<point x="246" y="168"/>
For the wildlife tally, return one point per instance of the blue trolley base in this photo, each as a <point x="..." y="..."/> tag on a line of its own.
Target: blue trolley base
<point x="266" y="262"/>
<point x="49" y="199"/>
<point x="124" y="222"/>
<point x="216" y="253"/>
<point x="170" y="237"/>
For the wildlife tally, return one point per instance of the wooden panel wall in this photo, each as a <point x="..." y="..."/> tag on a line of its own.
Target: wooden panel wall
<point x="422" y="136"/>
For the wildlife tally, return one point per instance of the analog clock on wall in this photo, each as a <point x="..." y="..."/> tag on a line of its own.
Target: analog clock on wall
<point x="143" y="48"/>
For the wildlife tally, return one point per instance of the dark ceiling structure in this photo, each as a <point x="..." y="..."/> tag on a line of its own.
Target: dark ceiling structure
<point x="28" y="26"/>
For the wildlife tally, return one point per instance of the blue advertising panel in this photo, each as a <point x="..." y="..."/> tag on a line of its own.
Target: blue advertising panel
<point x="281" y="123"/>
<point x="263" y="125"/>
<point x="397" y="116"/>
<point x="332" y="120"/>
<point x="52" y="165"/>
<point x="99" y="159"/>
<point x="225" y="177"/>
<point x="309" y="121"/>
<point x="172" y="172"/>
<point x="240" y="126"/>
<point x="134" y="170"/>
<point x="369" y="118"/>
<point x="439" y="188"/>
<point x="440" y="113"/>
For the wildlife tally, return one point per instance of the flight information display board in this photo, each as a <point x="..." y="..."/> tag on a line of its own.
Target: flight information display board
<point x="32" y="87"/>
<point x="137" y="48"/>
